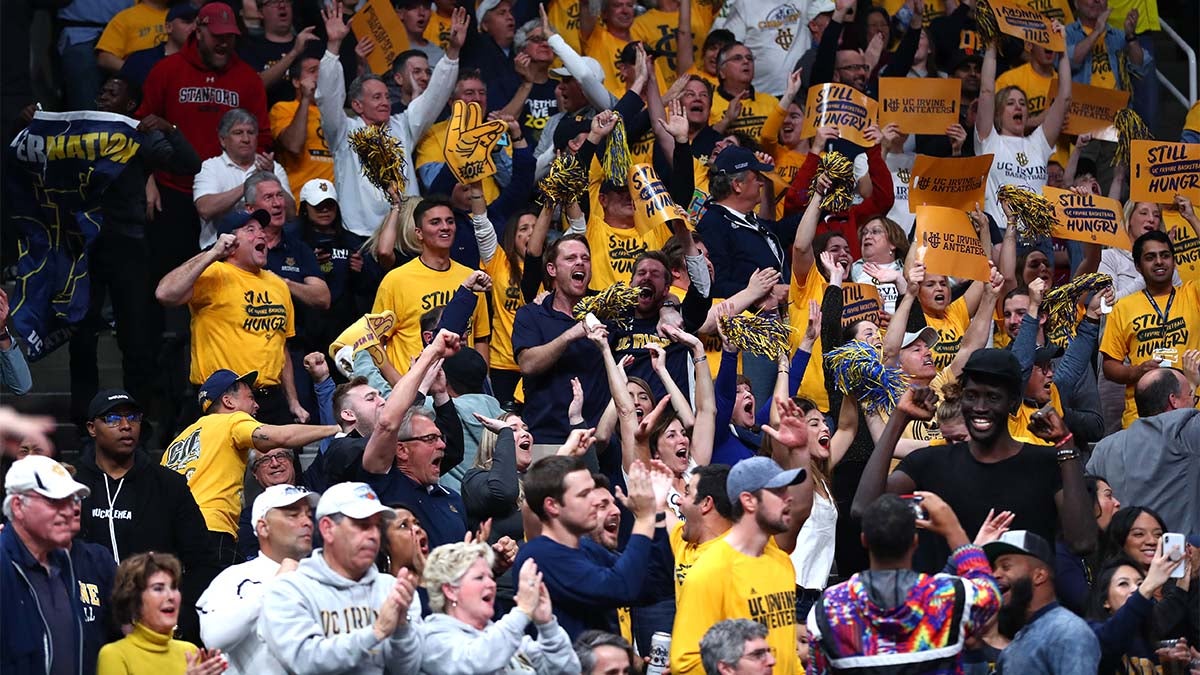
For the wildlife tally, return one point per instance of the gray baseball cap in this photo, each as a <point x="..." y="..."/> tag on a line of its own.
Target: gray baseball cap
<point x="756" y="473"/>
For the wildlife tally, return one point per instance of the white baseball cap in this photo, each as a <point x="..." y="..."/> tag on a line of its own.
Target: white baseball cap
<point x="40" y="474"/>
<point x="593" y="66"/>
<point x="356" y="500"/>
<point x="483" y="8"/>
<point x="278" y="496"/>
<point x="317" y="190"/>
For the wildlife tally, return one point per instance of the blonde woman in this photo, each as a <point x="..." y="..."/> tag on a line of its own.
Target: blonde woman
<point x="460" y="637"/>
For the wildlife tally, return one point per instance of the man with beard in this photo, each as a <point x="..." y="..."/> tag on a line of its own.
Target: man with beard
<point x="991" y="470"/>
<point x="356" y="407"/>
<point x="551" y="346"/>
<point x="1046" y="638"/>
<point x="1154" y="325"/>
<point x="587" y="581"/>
<point x="744" y="575"/>
<point x="336" y="613"/>
<point x="707" y="516"/>
<point x="853" y="625"/>
<point x="229" y="609"/>
<point x="847" y="64"/>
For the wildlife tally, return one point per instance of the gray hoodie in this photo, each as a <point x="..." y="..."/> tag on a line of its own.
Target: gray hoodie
<point x="451" y="647"/>
<point x="317" y="621"/>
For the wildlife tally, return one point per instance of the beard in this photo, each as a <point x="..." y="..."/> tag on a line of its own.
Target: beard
<point x="1014" y="613"/>
<point x="771" y="526"/>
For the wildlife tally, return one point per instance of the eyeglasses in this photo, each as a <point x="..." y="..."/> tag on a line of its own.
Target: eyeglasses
<point x="62" y="503"/>
<point x="740" y="57"/>
<point x="427" y="438"/>
<point x="759" y="655"/>
<point x="113" y="419"/>
<point x="537" y="38"/>
<point x="283" y="457"/>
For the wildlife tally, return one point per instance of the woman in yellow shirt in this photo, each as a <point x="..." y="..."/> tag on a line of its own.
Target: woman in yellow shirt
<point x="146" y="594"/>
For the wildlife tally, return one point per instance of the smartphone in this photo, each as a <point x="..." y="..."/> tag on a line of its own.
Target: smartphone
<point x="1172" y="543"/>
<point x="914" y="502"/>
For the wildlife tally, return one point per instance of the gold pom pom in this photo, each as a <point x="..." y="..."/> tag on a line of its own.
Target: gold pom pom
<point x="985" y="20"/>
<point x="614" y="304"/>
<point x="761" y="334"/>
<point x="1034" y="212"/>
<point x="1130" y="128"/>
<point x="1059" y="306"/>
<point x="840" y="172"/>
<point x="616" y="162"/>
<point x="381" y="156"/>
<point x="566" y="182"/>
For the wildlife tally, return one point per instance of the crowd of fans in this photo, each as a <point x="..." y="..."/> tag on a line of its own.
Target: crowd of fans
<point x="339" y="448"/>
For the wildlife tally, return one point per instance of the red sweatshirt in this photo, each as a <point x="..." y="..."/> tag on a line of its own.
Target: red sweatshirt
<point x="846" y="223"/>
<point x="184" y="91"/>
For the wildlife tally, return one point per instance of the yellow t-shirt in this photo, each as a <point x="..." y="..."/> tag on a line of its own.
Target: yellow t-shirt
<point x="686" y="554"/>
<point x="240" y="321"/>
<point x="564" y="18"/>
<point x="212" y="455"/>
<point x="697" y="71"/>
<point x="144" y="651"/>
<point x="1018" y="423"/>
<point x="1102" y="72"/>
<point x="950" y="332"/>
<point x="315" y="161"/>
<point x="605" y="48"/>
<point x="413" y="289"/>
<point x="660" y="31"/>
<point x="726" y="584"/>
<point x="437" y="30"/>
<point x="787" y="160"/>
<point x="133" y="29"/>
<point x="812" y="384"/>
<point x="1147" y="14"/>
<point x="752" y="117"/>
<point x="506" y="300"/>
<point x="432" y="149"/>
<point x="1135" y="330"/>
<point x="614" y="250"/>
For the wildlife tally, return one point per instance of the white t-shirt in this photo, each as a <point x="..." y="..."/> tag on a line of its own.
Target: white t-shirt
<point x="220" y="174"/>
<point x="900" y="167"/>
<point x="775" y="31"/>
<point x="1018" y="161"/>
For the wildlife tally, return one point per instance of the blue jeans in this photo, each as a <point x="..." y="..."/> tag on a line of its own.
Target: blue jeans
<point x="82" y="78"/>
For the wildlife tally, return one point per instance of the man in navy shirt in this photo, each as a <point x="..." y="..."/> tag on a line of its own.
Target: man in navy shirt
<point x="403" y="457"/>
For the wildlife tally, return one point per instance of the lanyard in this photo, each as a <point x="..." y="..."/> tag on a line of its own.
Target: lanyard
<point x="1163" y="317"/>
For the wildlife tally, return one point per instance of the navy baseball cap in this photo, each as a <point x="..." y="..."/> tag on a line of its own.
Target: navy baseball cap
<point x="757" y="473"/>
<point x="736" y="159"/>
<point x="105" y="401"/>
<point x="220" y="382"/>
<point x="236" y="218"/>
<point x="182" y="10"/>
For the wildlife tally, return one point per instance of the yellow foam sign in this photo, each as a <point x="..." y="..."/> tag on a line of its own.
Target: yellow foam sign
<point x="650" y="197"/>
<point x="378" y="20"/>
<point x="470" y="141"/>
<point x="951" y="244"/>
<point x="1088" y="218"/>
<point x="860" y="302"/>
<point x="924" y="105"/>
<point x="841" y="106"/>
<point x="1161" y="170"/>
<point x="954" y="182"/>
<point x="1186" y="243"/>
<point x="1015" y="18"/>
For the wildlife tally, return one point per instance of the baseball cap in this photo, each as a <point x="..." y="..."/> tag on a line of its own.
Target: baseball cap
<point x="356" y="500"/>
<point x="757" y="473"/>
<point x="40" y="474"/>
<point x="219" y="382"/>
<point x="994" y="364"/>
<point x="1022" y="542"/>
<point x="485" y="7"/>
<point x="959" y="58"/>
<point x="736" y="159"/>
<point x="103" y="402"/>
<point x="593" y="66"/>
<point x="569" y="127"/>
<point x="219" y="19"/>
<point x="182" y="10"/>
<point x="236" y="218"/>
<point x="280" y="495"/>
<point x="628" y="53"/>
<point x="317" y="190"/>
<point x="1047" y="352"/>
<point x="465" y="371"/>
<point x="820" y="7"/>
<point x="928" y="334"/>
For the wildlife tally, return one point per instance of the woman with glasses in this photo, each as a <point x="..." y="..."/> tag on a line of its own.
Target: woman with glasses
<point x="461" y="638"/>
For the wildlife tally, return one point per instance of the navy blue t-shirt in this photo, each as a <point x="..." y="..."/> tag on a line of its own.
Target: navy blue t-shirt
<point x="137" y="65"/>
<point x="440" y="510"/>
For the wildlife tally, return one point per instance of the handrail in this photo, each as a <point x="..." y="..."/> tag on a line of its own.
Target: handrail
<point x="1190" y="99"/>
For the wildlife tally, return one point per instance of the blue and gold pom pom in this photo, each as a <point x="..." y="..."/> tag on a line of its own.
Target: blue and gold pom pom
<point x="762" y="334"/>
<point x="859" y="372"/>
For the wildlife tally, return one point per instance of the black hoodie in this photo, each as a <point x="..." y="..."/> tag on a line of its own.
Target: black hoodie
<point x="153" y="510"/>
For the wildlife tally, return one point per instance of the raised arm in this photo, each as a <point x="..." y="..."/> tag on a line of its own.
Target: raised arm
<point x="892" y="339"/>
<point x="985" y="117"/>
<point x="270" y="436"/>
<point x="1056" y="115"/>
<point x="703" y="432"/>
<point x="593" y="89"/>
<point x="175" y="288"/>
<point x="331" y="81"/>
<point x="915" y="403"/>
<point x="980" y="328"/>
<point x="803" y="256"/>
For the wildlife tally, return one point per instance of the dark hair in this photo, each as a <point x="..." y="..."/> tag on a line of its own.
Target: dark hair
<point x="657" y="256"/>
<point x="889" y="526"/>
<point x="508" y="244"/>
<point x="402" y="59"/>
<point x="427" y="204"/>
<point x="547" y="478"/>
<point x="852" y="328"/>
<point x="133" y="575"/>
<point x="601" y="481"/>
<point x="818" y="247"/>
<point x="1095" y="609"/>
<point x="342" y="391"/>
<point x="431" y="318"/>
<point x="711" y="483"/>
<point x="1019" y="290"/>
<point x="660" y="428"/>
<point x="470" y="74"/>
<point x="132" y="89"/>
<point x="718" y="38"/>
<point x="1152" y="235"/>
<point x="746" y="141"/>
<point x="736" y="510"/>
<point x="1153" y="391"/>
<point x="1113" y="541"/>
<point x="296" y="70"/>
<point x="673" y="250"/>
<point x="589" y="640"/>
<point x="551" y="252"/>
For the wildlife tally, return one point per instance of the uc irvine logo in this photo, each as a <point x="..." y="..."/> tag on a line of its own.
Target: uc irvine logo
<point x="934" y="239"/>
<point x="1022" y="159"/>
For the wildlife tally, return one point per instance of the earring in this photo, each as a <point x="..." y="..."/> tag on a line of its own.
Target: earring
<point x="453" y="604"/>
